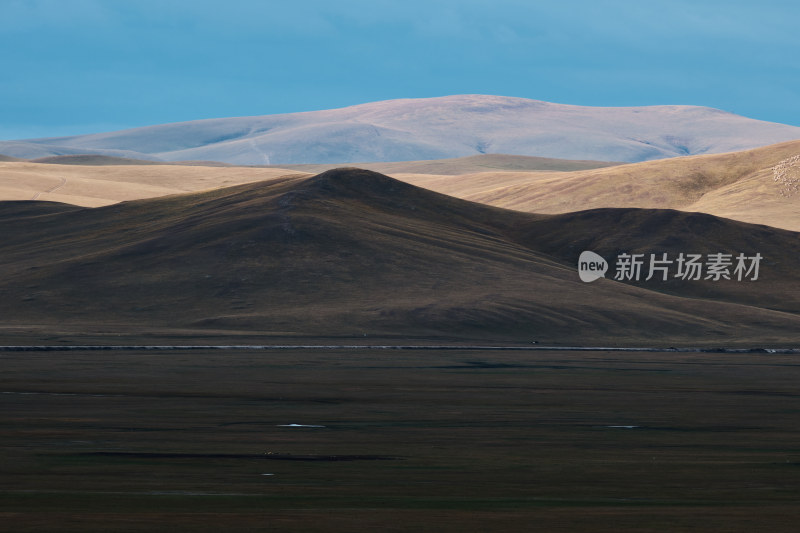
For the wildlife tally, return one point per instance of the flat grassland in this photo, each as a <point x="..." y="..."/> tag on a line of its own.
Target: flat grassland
<point x="386" y="440"/>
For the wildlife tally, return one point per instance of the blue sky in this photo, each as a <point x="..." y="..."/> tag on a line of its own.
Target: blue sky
<point x="83" y="66"/>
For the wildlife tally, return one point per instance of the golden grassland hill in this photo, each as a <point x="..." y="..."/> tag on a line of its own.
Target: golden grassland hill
<point x="350" y="252"/>
<point x="95" y="181"/>
<point x="737" y="185"/>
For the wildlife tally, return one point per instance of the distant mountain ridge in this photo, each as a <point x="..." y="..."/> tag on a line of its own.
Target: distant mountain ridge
<point x="430" y="128"/>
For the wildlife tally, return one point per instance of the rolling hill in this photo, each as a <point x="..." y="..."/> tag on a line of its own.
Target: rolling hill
<point x="746" y="186"/>
<point x="430" y="128"/>
<point x="99" y="182"/>
<point x="96" y="180"/>
<point x="466" y="165"/>
<point x="350" y="252"/>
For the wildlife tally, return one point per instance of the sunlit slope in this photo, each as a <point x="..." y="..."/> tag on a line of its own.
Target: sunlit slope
<point x="757" y="186"/>
<point x="95" y="180"/>
<point x="95" y="185"/>
<point x="739" y="185"/>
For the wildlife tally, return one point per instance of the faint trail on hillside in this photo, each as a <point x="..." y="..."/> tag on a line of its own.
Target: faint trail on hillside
<point x="259" y="150"/>
<point x="52" y="189"/>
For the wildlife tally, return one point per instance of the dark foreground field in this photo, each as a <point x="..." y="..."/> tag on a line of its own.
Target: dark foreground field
<point x="411" y="441"/>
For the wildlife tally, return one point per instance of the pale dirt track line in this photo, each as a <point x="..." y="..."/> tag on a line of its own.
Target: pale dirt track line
<point x="259" y="150"/>
<point x="52" y="189"/>
<point x="256" y="347"/>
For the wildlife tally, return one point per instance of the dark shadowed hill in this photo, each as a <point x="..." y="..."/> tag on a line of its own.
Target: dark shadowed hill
<point x="351" y="252"/>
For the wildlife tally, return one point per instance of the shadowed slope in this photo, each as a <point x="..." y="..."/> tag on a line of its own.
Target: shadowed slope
<point x="351" y="252"/>
<point x="610" y="232"/>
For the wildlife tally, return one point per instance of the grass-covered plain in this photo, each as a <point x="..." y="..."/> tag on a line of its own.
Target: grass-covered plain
<point x="412" y="441"/>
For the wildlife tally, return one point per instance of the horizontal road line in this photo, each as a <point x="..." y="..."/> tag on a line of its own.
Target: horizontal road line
<point x="254" y="347"/>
